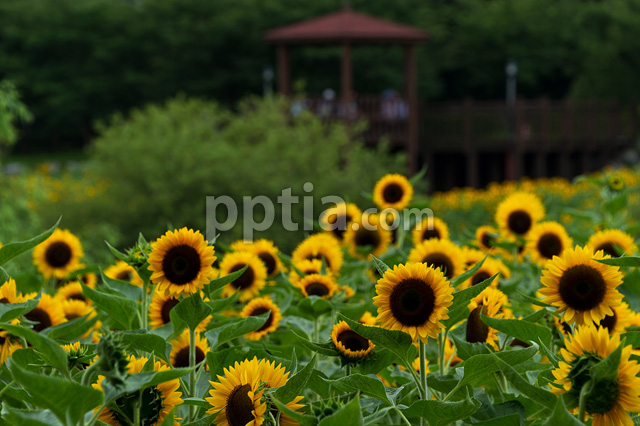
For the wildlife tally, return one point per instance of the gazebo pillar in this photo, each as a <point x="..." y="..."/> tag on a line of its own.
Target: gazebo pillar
<point x="346" y="76"/>
<point x="284" y="73"/>
<point x="412" y="100"/>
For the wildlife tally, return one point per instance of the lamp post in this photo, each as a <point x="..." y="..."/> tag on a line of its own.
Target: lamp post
<point x="267" y="81"/>
<point x="511" y="71"/>
<point x="512" y="157"/>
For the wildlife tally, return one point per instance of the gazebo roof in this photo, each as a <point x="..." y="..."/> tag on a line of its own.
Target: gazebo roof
<point x="345" y="26"/>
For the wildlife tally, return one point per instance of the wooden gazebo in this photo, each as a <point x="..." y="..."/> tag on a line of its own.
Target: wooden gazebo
<point x="347" y="28"/>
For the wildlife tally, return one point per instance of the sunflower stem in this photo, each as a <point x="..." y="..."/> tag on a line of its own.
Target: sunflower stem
<point x="7" y="387"/>
<point x="145" y="308"/>
<point x="192" y="374"/>
<point x="348" y="371"/>
<point x="423" y="372"/>
<point x="441" y="343"/>
<point x="403" y="417"/>
<point x="586" y="389"/>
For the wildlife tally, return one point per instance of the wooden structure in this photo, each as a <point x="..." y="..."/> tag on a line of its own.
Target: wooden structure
<point x="347" y="28"/>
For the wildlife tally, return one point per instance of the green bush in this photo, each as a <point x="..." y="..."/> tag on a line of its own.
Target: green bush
<point x="162" y="162"/>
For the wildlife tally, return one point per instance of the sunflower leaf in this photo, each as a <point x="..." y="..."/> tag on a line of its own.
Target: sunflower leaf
<point x="12" y="250"/>
<point x="522" y="330"/>
<point x="122" y="311"/>
<point x="371" y="386"/>
<point x="125" y="288"/>
<point x="141" y="381"/>
<point x="442" y="413"/>
<point x="321" y="348"/>
<point x="350" y="414"/>
<point x="30" y="417"/>
<point x="10" y="311"/>
<point x="141" y="340"/>
<point x="192" y="310"/>
<point x="117" y="253"/>
<point x="70" y="330"/>
<point x="607" y="369"/>
<point x="303" y="419"/>
<point x="458" y="309"/>
<point x="4" y="275"/>
<point x="380" y="265"/>
<point x="468" y="274"/>
<point x="560" y="416"/>
<point x="396" y="341"/>
<point x="218" y="283"/>
<point x="377" y="360"/>
<point x="233" y="329"/>
<point x="296" y="384"/>
<point x="633" y="261"/>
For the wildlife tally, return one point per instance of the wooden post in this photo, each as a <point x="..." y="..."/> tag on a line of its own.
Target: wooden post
<point x="565" y="168"/>
<point x="543" y="140"/>
<point x="469" y="147"/>
<point x="411" y="97"/>
<point x="284" y="74"/>
<point x="346" y="77"/>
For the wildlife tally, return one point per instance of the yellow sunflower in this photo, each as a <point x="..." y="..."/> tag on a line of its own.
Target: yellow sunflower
<point x="241" y="245"/>
<point x="268" y="254"/>
<point x="489" y="268"/>
<point x="613" y="242"/>
<point x="583" y="289"/>
<point x="9" y="294"/>
<point x="350" y="344"/>
<point x="179" y="355"/>
<point x="7" y="346"/>
<point x="413" y="298"/>
<point x="491" y="303"/>
<point x="545" y="240"/>
<point x="620" y="320"/>
<point x="393" y="191"/>
<point x="259" y="306"/>
<point x="72" y="291"/>
<point x="486" y="236"/>
<point x="73" y="309"/>
<point x="615" y="398"/>
<point x="338" y="218"/>
<point x="306" y="267"/>
<point x="238" y="395"/>
<point x="322" y="247"/>
<point x="471" y="256"/>
<point x="89" y="279"/>
<point x="430" y="227"/>
<point x="564" y="328"/>
<point x="181" y="262"/>
<point x="318" y="285"/>
<point x="160" y="310"/>
<point x="156" y="402"/>
<point x="124" y="272"/>
<point x="273" y="376"/>
<point x="58" y="255"/>
<point x="48" y="313"/>
<point x="441" y="254"/>
<point x="367" y="237"/>
<point x="250" y="282"/>
<point x="367" y="319"/>
<point x="518" y="213"/>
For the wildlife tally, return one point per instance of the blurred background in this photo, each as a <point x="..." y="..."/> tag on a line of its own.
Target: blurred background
<point x="122" y="115"/>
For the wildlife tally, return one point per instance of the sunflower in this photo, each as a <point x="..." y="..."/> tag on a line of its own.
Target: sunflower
<point x="416" y="365"/>
<point x="156" y="402"/>
<point x="615" y="182"/>
<point x="367" y="319"/>
<point x="583" y="289"/>
<point x="181" y="262"/>
<point x="72" y="291"/>
<point x="564" y="328"/>
<point x="58" y="255"/>
<point x="124" y="272"/>
<point x="318" y="285"/>
<point x="413" y="298"/>
<point x="518" y="213"/>
<point x="430" y="227"/>
<point x="240" y="245"/>
<point x="179" y="355"/>
<point x="9" y="294"/>
<point x="350" y="344"/>
<point x="441" y="254"/>
<point x="160" y="309"/>
<point x="48" y="313"/>
<point x="620" y="320"/>
<point x="322" y="247"/>
<point x="491" y="303"/>
<point x="306" y="267"/>
<point x="547" y="239"/>
<point x="259" y="306"/>
<point x="73" y="309"/>
<point x="489" y="268"/>
<point x="273" y="376"/>
<point x="268" y="254"/>
<point x="613" y="242"/>
<point x="7" y="346"/>
<point x="89" y="279"/>
<point x="238" y="395"/>
<point x="393" y="191"/>
<point x="614" y="398"/>
<point x="250" y="282"/>
<point x="486" y="236"/>
<point x="338" y="218"/>
<point x="367" y="237"/>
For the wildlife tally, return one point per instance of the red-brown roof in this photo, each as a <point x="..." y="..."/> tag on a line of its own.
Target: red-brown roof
<point x="345" y="25"/>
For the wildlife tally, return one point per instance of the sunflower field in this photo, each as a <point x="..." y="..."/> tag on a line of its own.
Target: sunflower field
<point x="518" y="304"/>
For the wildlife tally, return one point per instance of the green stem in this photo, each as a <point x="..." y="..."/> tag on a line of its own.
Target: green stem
<point x="7" y="387"/>
<point x="403" y="417"/>
<point x="348" y="372"/>
<point x="586" y="388"/>
<point x="192" y="375"/>
<point x="145" y="308"/>
<point x="95" y="415"/>
<point x="416" y="379"/>
<point x="423" y="371"/>
<point x="441" y="361"/>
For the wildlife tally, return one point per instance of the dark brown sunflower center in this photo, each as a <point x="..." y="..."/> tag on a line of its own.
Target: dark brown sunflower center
<point x="353" y="341"/>
<point x="609" y="321"/>
<point x="549" y="245"/>
<point x="519" y="222"/>
<point x="566" y="327"/>
<point x="392" y="193"/>
<point x="85" y="279"/>
<point x="440" y="260"/>
<point x="365" y="237"/>
<point x="610" y="249"/>
<point x="412" y="302"/>
<point x="317" y="289"/>
<point x="240" y="406"/>
<point x="487" y="240"/>
<point x="4" y="300"/>
<point x="477" y="330"/>
<point x="41" y="317"/>
<point x="269" y="262"/>
<point x="2" y="340"/>
<point x="479" y="277"/>
<point x="245" y="280"/>
<point x="124" y="276"/>
<point x="58" y="254"/>
<point x="77" y="296"/>
<point x="260" y="311"/>
<point x="165" y="311"/>
<point x="150" y="407"/>
<point x="430" y="233"/>
<point x="182" y="357"/>
<point x="181" y="264"/>
<point x="582" y="287"/>
<point x="70" y="317"/>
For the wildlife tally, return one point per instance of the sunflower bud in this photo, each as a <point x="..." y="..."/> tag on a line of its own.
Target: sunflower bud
<point x="113" y="362"/>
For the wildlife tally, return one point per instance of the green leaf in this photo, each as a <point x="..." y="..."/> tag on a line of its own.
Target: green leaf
<point x="304" y="420"/>
<point x="376" y="361"/>
<point x="560" y="416"/>
<point x="233" y="329"/>
<point x="30" y="417"/>
<point x="4" y="275"/>
<point x="622" y="261"/>
<point x="12" y="250"/>
<point x="223" y="281"/>
<point x="125" y="288"/>
<point x="459" y="308"/>
<point x="522" y="330"/>
<point x="14" y="310"/>
<point x="122" y="311"/>
<point x="141" y="381"/>
<point x="314" y="306"/>
<point x="553" y="358"/>
<point x="70" y="330"/>
<point x="442" y="413"/>
<point x="616" y="204"/>
<point x="396" y="341"/>
<point x="192" y="310"/>
<point x="380" y="265"/>
<point x="466" y="350"/>
<point x="67" y="400"/>
<point x="117" y="253"/>
<point x="631" y="338"/>
<point x="50" y="351"/>
<point x="350" y="414"/>
<point x="296" y="384"/>
<point x="141" y="340"/>
<point x="322" y="348"/>
<point x="455" y="282"/>
<point x="218" y="305"/>
<point x="205" y="421"/>
<point x="371" y="386"/>
<point x="607" y="369"/>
